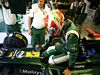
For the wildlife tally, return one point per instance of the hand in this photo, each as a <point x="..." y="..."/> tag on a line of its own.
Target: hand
<point x="67" y="72"/>
<point x="30" y="31"/>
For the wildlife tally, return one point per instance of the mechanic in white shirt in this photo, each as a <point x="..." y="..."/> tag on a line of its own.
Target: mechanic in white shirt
<point x="37" y="24"/>
<point x="9" y="18"/>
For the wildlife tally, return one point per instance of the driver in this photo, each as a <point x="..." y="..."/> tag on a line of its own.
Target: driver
<point x="65" y="50"/>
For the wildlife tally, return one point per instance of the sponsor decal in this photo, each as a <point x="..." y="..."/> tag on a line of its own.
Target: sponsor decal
<point x="33" y="72"/>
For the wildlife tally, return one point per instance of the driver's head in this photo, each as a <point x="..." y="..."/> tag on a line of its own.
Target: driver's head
<point x="54" y="21"/>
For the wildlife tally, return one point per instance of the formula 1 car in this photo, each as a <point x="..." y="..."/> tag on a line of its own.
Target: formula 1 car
<point x="26" y="61"/>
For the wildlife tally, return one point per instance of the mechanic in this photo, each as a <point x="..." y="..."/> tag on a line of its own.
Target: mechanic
<point x="36" y="26"/>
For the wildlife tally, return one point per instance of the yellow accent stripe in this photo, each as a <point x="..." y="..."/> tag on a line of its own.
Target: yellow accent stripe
<point x="91" y="38"/>
<point x="32" y="54"/>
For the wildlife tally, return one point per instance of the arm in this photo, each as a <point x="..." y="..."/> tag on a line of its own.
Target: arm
<point x="71" y="7"/>
<point x="29" y="25"/>
<point x="73" y="49"/>
<point x="5" y="4"/>
<point x="30" y="16"/>
<point x="73" y="44"/>
<point x="29" y="22"/>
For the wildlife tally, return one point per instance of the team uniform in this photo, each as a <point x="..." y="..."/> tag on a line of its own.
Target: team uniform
<point x="38" y="26"/>
<point x="65" y="51"/>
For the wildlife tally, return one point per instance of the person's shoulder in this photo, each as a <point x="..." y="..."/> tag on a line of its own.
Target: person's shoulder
<point x="80" y="3"/>
<point x="70" y="20"/>
<point x="34" y="5"/>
